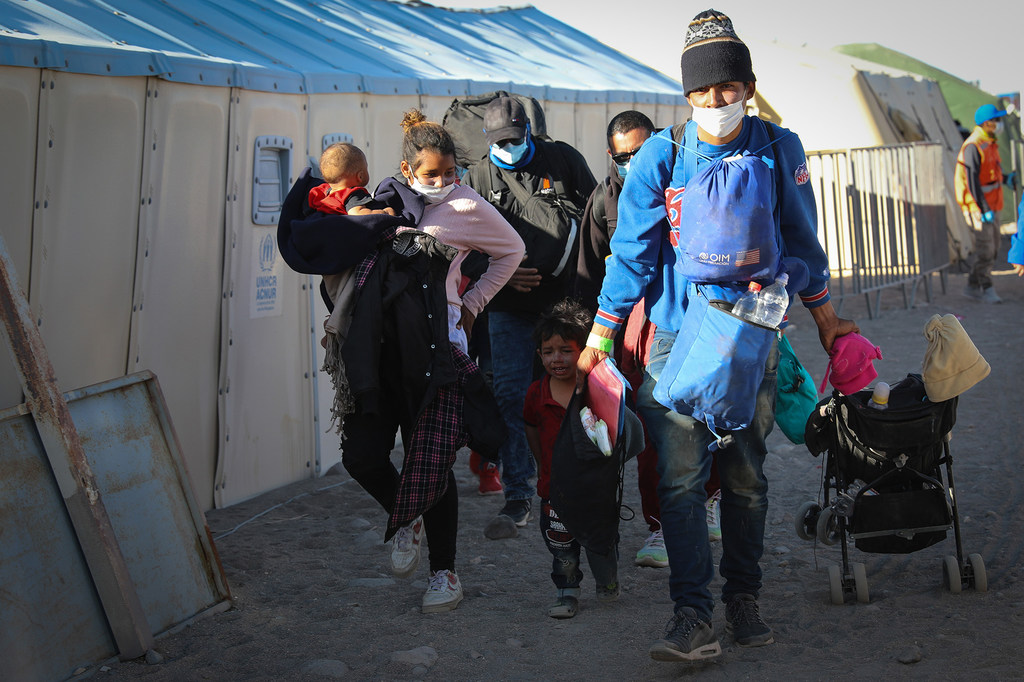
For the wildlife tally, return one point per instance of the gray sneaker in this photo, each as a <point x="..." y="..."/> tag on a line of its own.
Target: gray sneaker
<point x="687" y="638"/>
<point x="972" y="291"/>
<point x="567" y="604"/>
<point x="744" y="622"/>
<point x="517" y="510"/>
<point x="990" y="296"/>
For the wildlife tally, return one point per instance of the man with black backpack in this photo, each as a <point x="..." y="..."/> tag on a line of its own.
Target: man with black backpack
<point x="742" y="178"/>
<point x="540" y="187"/>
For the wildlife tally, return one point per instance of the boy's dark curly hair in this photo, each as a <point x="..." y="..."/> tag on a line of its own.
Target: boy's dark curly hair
<point x="567" y="318"/>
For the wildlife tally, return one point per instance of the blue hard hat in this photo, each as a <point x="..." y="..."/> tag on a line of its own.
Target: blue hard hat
<point x="987" y="112"/>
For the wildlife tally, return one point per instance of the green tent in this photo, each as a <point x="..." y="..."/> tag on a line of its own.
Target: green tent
<point x="961" y="97"/>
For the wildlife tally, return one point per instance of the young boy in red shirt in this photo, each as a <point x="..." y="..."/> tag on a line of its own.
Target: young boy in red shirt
<point x="560" y="336"/>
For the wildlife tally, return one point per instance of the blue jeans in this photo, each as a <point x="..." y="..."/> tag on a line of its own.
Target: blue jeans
<point x="684" y="464"/>
<point x="512" y="354"/>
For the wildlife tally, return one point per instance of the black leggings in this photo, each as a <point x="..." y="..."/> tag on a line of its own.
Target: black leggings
<point x="366" y="456"/>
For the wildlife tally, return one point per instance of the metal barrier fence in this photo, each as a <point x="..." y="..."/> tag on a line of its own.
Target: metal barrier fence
<point x="882" y="219"/>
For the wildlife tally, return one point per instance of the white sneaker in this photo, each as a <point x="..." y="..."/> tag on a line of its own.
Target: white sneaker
<point x="714" y="520"/>
<point x="444" y="592"/>
<point x="405" y="549"/>
<point x="653" y="552"/>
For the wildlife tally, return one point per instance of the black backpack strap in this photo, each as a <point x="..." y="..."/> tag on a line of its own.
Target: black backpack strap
<point x="495" y="184"/>
<point x="677" y="133"/>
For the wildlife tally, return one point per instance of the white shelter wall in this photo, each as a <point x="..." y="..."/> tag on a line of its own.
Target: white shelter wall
<point x="177" y="294"/>
<point x="19" y="113"/>
<point x="561" y="121"/>
<point x="85" y="229"/>
<point x="342" y="113"/>
<point x="653" y="112"/>
<point x="591" y="126"/>
<point x="266" y="378"/>
<point x="384" y="132"/>
<point x="434" y="107"/>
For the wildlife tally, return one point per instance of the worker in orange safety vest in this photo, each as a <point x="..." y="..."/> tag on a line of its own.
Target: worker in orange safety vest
<point x="978" y="183"/>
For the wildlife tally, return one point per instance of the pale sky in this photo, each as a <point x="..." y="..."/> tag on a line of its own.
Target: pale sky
<point x="980" y="42"/>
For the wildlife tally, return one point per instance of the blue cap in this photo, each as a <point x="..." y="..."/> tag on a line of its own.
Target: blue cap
<point x="987" y="112"/>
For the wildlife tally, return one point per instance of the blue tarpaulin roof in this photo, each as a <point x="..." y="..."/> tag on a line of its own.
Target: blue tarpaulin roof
<point x="327" y="46"/>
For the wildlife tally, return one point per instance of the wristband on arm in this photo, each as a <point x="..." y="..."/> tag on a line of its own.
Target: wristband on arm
<point x="601" y="343"/>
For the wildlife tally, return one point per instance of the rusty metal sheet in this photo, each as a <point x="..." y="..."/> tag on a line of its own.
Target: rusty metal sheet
<point x="52" y="620"/>
<point x="129" y="442"/>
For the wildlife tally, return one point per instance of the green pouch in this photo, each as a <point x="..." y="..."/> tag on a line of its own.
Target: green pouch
<point x="796" y="397"/>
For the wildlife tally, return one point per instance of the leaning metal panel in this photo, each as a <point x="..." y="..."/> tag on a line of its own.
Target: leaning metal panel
<point x="53" y="621"/>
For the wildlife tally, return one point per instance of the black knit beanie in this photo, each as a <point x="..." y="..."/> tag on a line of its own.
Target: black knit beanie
<point x="713" y="53"/>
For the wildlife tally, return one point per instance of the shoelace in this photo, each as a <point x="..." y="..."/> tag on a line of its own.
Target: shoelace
<point x="656" y="541"/>
<point x="684" y="623"/>
<point x="712" y="508"/>
<point x="746" y="612"/>
<point x="438" y="581"/>
<point x="403" y="538"/>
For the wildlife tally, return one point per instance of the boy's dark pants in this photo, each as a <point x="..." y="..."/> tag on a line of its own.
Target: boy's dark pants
<point x="565" y="550"/>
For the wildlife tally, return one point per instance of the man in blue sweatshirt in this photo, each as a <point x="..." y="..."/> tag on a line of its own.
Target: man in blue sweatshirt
<point x="718" y="80"/>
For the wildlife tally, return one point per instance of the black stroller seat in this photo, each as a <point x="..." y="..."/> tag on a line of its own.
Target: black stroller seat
<point x="884" y="483"/>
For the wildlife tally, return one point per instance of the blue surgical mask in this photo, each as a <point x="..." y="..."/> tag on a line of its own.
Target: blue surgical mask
<point x="622" y="169"/>
<point x="510" y="153"/>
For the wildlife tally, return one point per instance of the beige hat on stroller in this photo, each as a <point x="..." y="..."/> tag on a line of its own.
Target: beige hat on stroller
<point x="952" y="363"/>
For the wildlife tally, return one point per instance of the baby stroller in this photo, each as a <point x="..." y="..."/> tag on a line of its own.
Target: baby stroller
<point x="883" y="484"/>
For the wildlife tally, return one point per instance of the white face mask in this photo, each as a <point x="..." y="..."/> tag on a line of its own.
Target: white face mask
<point x="720" y="121"/>
<point x="432" y="194"/>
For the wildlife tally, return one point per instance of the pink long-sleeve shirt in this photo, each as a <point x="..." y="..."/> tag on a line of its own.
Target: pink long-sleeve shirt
<point x="467" y="222"/>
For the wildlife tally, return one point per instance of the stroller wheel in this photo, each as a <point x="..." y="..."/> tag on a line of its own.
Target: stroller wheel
<point x="860" y="581"/>
<point x="828" y="527"/>
<point x="835" y="585"/>
<point x="806" y="521"/>
<point x="951" y="574"/>
<point x="978" y="568"/>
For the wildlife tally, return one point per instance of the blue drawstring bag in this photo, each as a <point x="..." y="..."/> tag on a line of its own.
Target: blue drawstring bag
<point x="726" y="216"/>
<point x="717" y="362"/>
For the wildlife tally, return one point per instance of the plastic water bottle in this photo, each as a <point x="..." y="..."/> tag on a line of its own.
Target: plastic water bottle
<point x="880" y="396"/>
<point x="773" y="303"/>
<point x="746" y="305"/>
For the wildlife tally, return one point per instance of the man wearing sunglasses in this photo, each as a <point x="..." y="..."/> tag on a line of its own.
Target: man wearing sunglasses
<point x="718" y="80"/>
<point x="627" y="132"/>
<point x="541" y="187"/>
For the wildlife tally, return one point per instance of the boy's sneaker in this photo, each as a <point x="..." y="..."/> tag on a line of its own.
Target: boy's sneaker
<point x="517" y="510"/>
<point x="490" y="480"/>
<point x="744" y="622"/>
<point x="444" y="592"/>
<point x="405" y="549"/>
<point x="608" y="592"/>
<point x="687" y="638"/>
<point x="653" y="552"/>
<point x="714" y="519"/>
<point x="566" y="606"/>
